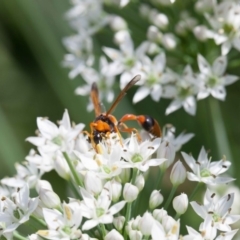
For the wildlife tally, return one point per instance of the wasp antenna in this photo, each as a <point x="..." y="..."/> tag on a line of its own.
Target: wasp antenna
<point x="94" y="87"/>
<point x="137" y="78"/>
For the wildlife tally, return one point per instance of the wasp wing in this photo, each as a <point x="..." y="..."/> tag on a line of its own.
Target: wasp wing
<point x="123" y="93"/>
<point x="95" y="99"/>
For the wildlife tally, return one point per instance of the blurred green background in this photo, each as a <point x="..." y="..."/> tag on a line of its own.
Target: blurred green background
<point x="33" y="83"/>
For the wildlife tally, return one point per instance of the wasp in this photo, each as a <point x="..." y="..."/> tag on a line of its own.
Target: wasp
<point x="105" y="123"/>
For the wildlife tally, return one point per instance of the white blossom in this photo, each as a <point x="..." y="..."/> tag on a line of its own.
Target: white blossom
<point x="203" y="170"/>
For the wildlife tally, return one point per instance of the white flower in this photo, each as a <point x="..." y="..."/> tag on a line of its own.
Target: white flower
<point x="167" y="232"/>
<point x="206" y="171"/>
<point x="17" y="210"/>
<point x="217" y="210"/>
<point x="213" y="80"/>
<point x="105" y="164"/>
<point x="62" y="225"/>
<point x="98" y="210"/>
<point x="206" y="232"/>
<point x="125" y="60"/>
<point x="81" y="53"/>
<point x="53" y="138"/>
<point x="183" y="92"/>
<point x="225" y="24"/>
<point x="43" y="161"/>
<point x="139" y="155"/>
<point x="113" y="235"/>
<point x="146" y="223"/>
<point x="173" y="142"/>
<point x="154" y="79"/>
<point x="26" y="173"/>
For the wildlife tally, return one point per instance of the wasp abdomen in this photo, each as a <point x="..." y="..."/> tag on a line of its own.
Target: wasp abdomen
<point x="148" y="123"/>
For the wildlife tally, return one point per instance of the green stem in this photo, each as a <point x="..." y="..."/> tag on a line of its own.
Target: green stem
<point x="220" y="130"/>
<point x="75" y="190"/>
<point x="160" y="178"/>
<point x="103" y="230"/>
<point x="194" y="191"/>
<point x="177" y="216"/>
<point x="127" y="218"/>
<point x="174" y="188"/>
<point x="129" y="205"/>
<point x="73" y="170"/>
<point x="18" y="236"/>
<point x="134" y="175"/>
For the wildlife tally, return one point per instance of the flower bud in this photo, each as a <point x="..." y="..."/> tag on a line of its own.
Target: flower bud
<point x="117" y="23"/>
<point x="118" y="222"/>
<point x="125" y="175"/>
<point x="144" y="10"/>
<point x="61" y="167"/>
<point x="180" y="203"/>
<point x="49" y="198"/>
<point x="160" y="20"/>
<point x="38" y="213"/>
<point x="114" y="234"/>
<point x="130" y="192"/>
<point x="135" y="235"/>
<point x="158" y="214"/>
<point x="43" y="184"/>
<point x="166" y="150"/>
<point x="140" y="182"/>
<point x="135" y="223"/>
<point x="169" y="41"/>
<point x="93" y="183"/>
<point x="178" y="174"/>
<point x="204" y="6"/>
<point x="156" y="199"/>
<point x="202" y="33"/>
<point x="153" y="34"/>
<point x="146" y="223"/>
<point x="116" y="188"/>
<point x="171" y="225"/>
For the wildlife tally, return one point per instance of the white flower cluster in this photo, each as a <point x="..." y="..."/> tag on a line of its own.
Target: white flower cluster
<point x="107" y="188"/>
<point x="165" y="66"/>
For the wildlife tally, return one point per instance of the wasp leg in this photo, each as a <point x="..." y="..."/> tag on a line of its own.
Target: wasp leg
<point x="147" y="122"/>
<point x="114" y="120"/>
<point x="124" y="128"/>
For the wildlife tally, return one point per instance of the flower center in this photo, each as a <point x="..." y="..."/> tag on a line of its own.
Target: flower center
<point x="57" y="140"/>
<point x="228" y="28"/>
<point x="67" y="230"/>
<point x="212" y="82"/>
<point x="137" y="158"/>
<point x="205" y="173"/>
<point x="184" y="91"/>
<point x="106" y="169"/>
<point x="151" y="80"/>
<point x="129" y="62"/>
<point x="216" y="217"/>
<point x="100" y="212"/>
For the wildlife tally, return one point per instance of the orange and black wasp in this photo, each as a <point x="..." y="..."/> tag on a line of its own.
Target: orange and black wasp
<point x="105" y="123"/>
